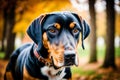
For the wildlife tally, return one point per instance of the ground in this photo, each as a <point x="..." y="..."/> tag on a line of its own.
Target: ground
<point x="84" y="71"/>
<point x="3" y="64"/>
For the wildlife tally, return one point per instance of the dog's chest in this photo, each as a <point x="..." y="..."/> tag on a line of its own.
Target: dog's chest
<point x="53" y="74"/>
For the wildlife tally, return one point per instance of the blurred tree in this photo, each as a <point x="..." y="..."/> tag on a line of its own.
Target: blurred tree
<point x="110" y="35"/>
<point x="93" y="37"/>
<point x="9" y="22"/>
<point x="2" y="3"/>
<point x="2" y="38"/>
<point x="9" y="15"/>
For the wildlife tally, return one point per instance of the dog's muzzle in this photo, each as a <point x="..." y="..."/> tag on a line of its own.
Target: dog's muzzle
<point x="69" y="58"/>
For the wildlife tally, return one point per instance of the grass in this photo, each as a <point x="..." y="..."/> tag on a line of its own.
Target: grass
<point x="117" y="51"/>
<point x="81" y="72"/>
<point x="2" y="54"/>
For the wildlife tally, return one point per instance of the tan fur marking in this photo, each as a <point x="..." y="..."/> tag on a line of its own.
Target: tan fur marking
<point x="9" y="76"/>
<point x="56" y="51"/>
<point x="79" y="41"/>
<point x="26" y="75"/>
<point x="72" y="25"/>
<point x="46" y="44"/>
<point x="57" y="25"/>
<point x="45" y="40"/>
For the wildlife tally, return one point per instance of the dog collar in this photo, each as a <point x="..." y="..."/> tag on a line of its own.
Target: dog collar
<point x="41" y="59"/>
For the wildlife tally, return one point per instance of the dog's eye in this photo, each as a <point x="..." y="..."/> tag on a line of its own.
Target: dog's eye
<point x="52" y="30"/>
<point x="75" y="30"/>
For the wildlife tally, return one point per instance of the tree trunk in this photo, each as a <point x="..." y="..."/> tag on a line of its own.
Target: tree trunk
<point x="4" y="30"/>
<point x="10" y="25"/>
<point x="93" y="52"/>
<point x="110" y="50"/>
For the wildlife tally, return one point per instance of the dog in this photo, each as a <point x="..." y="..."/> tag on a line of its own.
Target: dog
<point x="56" y="38"/>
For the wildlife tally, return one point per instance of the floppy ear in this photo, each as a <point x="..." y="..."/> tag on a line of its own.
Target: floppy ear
<point x="84" y="26"/>
<point x="85" y="31"/>
<point x="35" y="31"/>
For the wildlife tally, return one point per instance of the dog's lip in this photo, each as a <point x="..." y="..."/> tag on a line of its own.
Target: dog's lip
<point x="56" y="67"/>
<point x="76" y="65"/>
<point x="68" y="65"/>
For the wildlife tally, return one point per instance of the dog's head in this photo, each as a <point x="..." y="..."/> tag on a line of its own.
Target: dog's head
<point x="59" y="34"/>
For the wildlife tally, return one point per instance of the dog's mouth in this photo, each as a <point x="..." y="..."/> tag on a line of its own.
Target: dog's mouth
<point x="55" y="66"/>
<point x="58" y="65"/>
<point x="67" y="61"/>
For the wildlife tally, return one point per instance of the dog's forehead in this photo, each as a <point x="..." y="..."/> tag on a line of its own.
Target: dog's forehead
<point x="60" y="18"/>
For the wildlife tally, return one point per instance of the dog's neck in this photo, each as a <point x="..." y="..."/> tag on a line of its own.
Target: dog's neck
<point x="52" y="73"/>
<point x="43" y="56"/>
<point x="38" y="66"/>
<point x="41" y="59"/>
<point x="43" y="52"/>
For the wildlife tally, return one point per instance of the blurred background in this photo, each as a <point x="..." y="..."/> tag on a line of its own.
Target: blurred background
<point x="101" y="58"/>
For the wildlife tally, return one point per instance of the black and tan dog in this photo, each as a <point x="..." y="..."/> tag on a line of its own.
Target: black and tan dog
<point x="56" y="37"/>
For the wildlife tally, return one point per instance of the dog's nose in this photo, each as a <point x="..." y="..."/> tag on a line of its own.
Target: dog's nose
<point x="70" y="56"/>
<point x="69" y="59"/>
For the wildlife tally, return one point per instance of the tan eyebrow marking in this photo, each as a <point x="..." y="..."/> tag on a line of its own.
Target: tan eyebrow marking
<point x="72" y="24"/>
<point x="57" y="25"/>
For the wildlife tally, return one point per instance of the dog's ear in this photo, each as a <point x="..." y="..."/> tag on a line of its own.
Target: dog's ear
<point x="35" y="30"/>
<point x="86" y="31"/>
<point x="84" y="26"/>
